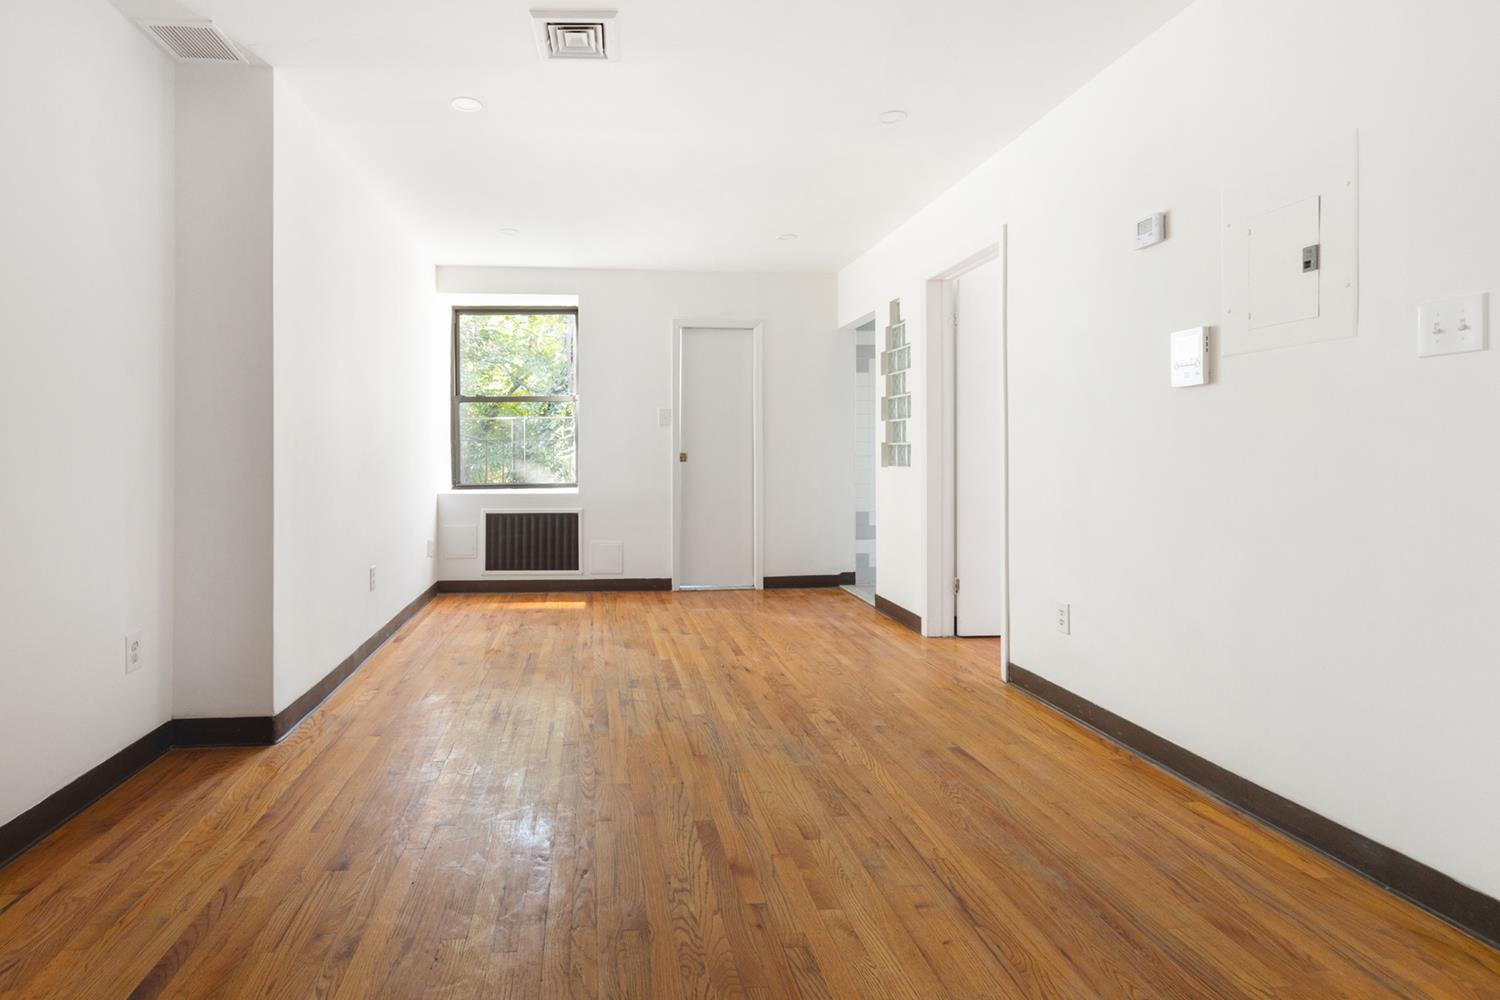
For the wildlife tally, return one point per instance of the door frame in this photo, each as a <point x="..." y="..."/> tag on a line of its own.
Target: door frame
<point x="942" y="491"/>
<point x="756" y="329"/>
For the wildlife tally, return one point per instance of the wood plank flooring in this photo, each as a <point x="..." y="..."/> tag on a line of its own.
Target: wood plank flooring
<point x="667" y="796"/>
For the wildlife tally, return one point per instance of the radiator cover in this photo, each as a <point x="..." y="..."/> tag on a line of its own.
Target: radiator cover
<point x="531" y="541"/>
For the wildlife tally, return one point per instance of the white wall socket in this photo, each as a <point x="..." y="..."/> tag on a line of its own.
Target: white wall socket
<point x="135" y="652"/>
<point x="1065" y="619"/>
<point x="431" y="548"/>
<point x="372" y="577"/>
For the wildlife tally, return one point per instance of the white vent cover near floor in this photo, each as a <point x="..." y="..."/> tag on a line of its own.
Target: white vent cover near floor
<point x="576" y="34"/>
<point x="192" y="41"/>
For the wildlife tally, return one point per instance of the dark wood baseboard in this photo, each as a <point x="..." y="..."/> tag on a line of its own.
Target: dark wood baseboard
<point x="80" y="793"/>
<point x="807" y="582"/>
<point x="287" y="719"/>
<point x="560" y="585"/>
<point x="261" y="730"/>
<point x="245" y="731"/>
<point x="897" y="613"/>
<point x="1467" y="909"/>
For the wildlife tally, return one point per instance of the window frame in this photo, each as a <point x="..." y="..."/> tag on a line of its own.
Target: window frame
<point x="456" y="397"/>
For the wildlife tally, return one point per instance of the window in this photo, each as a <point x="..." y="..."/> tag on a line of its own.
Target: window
<point x="515" y="397"/>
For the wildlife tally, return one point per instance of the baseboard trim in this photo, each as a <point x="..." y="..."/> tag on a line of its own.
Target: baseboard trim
<point x="807" y="582"/>
<point x="1470" y="910"/>
<point x="244" y="731"/>
<point x="80" y="793"/>
<point x="561" y="585"/>
<point x="262" y="730"/>
<point x="898" y="614"/>
<point x="290" y="717"/>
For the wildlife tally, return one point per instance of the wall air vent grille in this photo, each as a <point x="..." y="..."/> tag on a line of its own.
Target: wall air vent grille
<point x="576" y="34"/>
<point x="192" y="41"/>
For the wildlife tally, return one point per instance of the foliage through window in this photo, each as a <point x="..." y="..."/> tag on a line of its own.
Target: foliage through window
<point x="515" y="397"/>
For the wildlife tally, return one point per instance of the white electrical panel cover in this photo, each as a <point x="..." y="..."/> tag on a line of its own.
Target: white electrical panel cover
<point x="1291" y="252"/>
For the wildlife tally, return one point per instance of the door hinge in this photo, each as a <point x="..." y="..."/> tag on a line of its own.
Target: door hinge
<point x="955" y="584"/>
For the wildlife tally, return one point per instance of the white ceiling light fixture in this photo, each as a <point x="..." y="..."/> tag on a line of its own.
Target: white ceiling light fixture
<point x="191" y="41"/>
<point x="576" y="34"/>
<point x="895" y="116"/>
<point x="468" y="104"/>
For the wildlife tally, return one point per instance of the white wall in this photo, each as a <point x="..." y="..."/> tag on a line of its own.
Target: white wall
<point x="223" y="385"/>
<point x="361" y="406"/>
<point x="625" y="374"/>
<point x="86" y="315"/>
<point x="1292" y="572"/>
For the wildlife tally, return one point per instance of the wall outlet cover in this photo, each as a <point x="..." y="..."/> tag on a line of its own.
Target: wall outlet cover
<point x="135" y="652"/>
<point x="1065" y="619"/>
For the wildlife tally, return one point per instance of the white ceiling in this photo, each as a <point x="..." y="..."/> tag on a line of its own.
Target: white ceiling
<point x="723" y="124"/>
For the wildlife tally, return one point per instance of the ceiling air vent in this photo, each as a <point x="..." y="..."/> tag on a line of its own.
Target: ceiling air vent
<point x="192" y="41"/>
<point x="576" y="34"/>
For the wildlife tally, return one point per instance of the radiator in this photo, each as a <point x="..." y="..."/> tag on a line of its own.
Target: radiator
<point x="531" y="541"/>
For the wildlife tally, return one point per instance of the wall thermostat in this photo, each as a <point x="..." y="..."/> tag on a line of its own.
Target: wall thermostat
<point x="1190" y="357"/>
<point x="1149" y="232"/>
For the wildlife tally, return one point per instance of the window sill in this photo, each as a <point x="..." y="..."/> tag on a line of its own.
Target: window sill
<point x="511" y="491"/>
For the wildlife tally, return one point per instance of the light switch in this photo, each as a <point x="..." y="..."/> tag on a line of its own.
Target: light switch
<point x="664" y="416"/>
<point x="1453" y="326"/>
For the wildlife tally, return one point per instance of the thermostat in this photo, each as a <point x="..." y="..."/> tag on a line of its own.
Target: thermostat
<point x="1149" y="232"/>
<point x="1190" y="357"/>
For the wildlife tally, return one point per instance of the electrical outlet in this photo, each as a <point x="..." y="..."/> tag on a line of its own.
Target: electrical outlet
<point x="135" y="652"/>
<point x="1065" y="619"/>
<point x="372" y="577"/>
<point x="431" y="548"/>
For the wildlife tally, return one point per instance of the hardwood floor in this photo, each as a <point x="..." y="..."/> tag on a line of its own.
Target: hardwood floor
<point x="689" y="795"/>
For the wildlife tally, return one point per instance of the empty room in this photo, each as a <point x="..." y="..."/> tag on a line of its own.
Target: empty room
<point x="677" y="499"/>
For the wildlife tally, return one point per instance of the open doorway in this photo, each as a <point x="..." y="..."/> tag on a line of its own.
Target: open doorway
<point x="866" y="395"/>
<point x="967" y="485"/>
<point x="979" y="451"/>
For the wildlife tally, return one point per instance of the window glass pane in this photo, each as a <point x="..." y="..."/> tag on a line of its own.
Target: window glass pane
<point x="507" y="444"/>
<point x="515" y="354"/>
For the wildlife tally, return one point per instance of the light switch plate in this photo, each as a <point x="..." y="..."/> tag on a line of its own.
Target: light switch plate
<point x="1453" y="326"/>
<point x="664" y="416"/>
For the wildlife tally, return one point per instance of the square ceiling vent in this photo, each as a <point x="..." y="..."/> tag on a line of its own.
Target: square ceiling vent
<point x="576" y="34"/>
<point x="192" y="41"/>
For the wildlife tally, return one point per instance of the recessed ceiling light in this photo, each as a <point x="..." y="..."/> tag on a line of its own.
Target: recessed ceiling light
<point x="787" y="236"/>
<point x="892" y="117"/>
<point x="467" y="104"/>
<point x="509" y="231"/>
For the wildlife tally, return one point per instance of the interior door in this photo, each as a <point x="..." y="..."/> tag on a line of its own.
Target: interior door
<point x="979" y="436"/>
<point x="716" y="434"/>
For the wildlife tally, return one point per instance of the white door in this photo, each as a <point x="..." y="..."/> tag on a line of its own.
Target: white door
<point x="716" y="435"/>
<point x="979" y="435"/>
